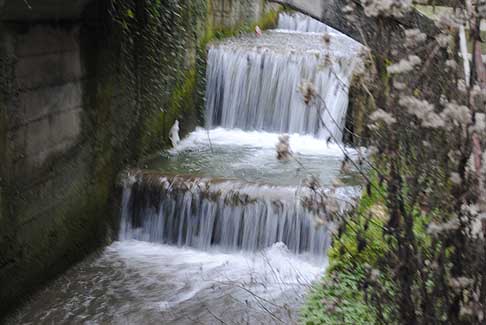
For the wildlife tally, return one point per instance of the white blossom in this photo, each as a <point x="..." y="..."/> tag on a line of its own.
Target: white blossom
<point x="394" y="8"/>
<point x="479" y="124"/>
<point x="461" y="86"/>
<point x="444" y="40"/>
<point x="433" y="120"/>
<point x="371" y="150"/>
<point x="478" y="225"/>
<point x="374" y="275"/>
<point x="414" y="37"/>
<point x="452" y="64"/>
<point x="423" y="110"/>
<point x="481" y="9"/>
<point x="283" y="148"/>
<point x="308" y="90"/>
<point x="471" y="209"/>
<point x="478" y="96"/>
<point x="405" y="65"/>
<point x="456" y="115"/>
<point x="331" y="204"/>
<point x="348" y="9"/>
<point x="435" y="229"/>
<point x="446" y="22"/>
<point x="381" y="115"/>
<point x="460" y="282"/>
<point x="455" y="178"/>
<point x="399" y="85"/>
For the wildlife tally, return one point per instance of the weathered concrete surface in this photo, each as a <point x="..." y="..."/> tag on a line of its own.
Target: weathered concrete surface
<point x="364" y="29"/>
<point x="68" y="127"/>
<point x="313" y="8"/>
<point x="385" y="37"/>
<point x="29" y="10"/>
<point x="53" y="206"/>
<point x="228" y="13"/>
<point x="46" y="116"/>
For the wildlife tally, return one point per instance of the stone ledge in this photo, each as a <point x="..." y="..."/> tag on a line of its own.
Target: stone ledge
<point x="33" y="72"/>
<point x="32" y="10"/>
<point x="36" y="104"/>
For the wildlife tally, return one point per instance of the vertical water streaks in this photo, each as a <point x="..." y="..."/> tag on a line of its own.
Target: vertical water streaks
<point x="232" y="215"/>
<point x="301" y="23"/>
<point x="252" y="83"/>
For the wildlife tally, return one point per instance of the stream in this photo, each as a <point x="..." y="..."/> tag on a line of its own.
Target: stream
<point x="215" y="231"/>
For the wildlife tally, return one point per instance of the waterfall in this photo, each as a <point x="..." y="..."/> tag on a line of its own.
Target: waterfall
<point x="252" y="83"/>
<point x="232" y="215"/>
<point x="301" y="23"/>
<point x="217" y="229"/>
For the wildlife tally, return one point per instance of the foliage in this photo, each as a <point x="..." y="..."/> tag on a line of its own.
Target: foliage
<point x="360" y="241"/>
<point x="424" y="254"/>
<point x="158" y="56"/>
<point x="338" y="300"/>
<point x="163" y="63"/>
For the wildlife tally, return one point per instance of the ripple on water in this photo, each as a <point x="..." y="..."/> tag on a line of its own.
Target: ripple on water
<point x="143" y="283"/>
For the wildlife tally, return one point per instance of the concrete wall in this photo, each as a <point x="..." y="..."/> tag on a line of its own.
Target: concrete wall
<point x="52" y="207"/>
<point x="363" y="28"/>
<point x="16" y="10"/>
<point x="232" y="12"/>
<point x="45" y="117"/>
<point x="68" y="126"/>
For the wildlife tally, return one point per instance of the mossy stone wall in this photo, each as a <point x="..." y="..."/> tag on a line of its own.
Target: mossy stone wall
<point x="65" y="136"/>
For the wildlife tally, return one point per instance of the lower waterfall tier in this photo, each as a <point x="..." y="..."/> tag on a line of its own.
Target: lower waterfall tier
<point x="233" y="215"/>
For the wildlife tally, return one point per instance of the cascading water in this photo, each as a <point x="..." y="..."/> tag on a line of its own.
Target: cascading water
<point x="232" y="215"/>
<point x="301" y="23"/>
<point x="252" y="83"/>
<point x="235" y="238"/>
<point x="234" y="195"/>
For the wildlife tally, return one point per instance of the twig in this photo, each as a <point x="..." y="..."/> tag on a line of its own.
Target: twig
<point x="344" y="151"/>
<point x="28" y="5"/>
<point x="210" y="143"/>
<point x="217" y="318"/>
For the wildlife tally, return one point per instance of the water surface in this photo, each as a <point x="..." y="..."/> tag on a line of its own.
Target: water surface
<point x="251" y="156"/>
<point x="135" y="282"/>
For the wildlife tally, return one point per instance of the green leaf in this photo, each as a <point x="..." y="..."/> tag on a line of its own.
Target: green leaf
<point x="130" y="13"/>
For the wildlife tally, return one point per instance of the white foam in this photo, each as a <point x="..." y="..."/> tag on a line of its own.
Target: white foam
<point x="252" y="83"/>
<point x="302" y="144"/>
<point x="194" y="271"/>
<point x="134" y="282"/>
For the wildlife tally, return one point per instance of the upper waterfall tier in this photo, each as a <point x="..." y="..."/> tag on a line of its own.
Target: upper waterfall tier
<point x="301" y="23"/>
<point x="252" y="82"/>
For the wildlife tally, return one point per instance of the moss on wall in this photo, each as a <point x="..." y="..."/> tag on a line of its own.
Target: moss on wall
<point x="7" y="245"/>
<point x="133" y="89"/>
<point x="337" y="298"/>
<point x="363" y="92"/>
<point x="158" y="52"/>
<point x="181" y="106"/>
<point x="268" y="20"/>
<point x="360" y="106"/>
<point x="5" y="81"/>
<point x="182" y="96"/>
